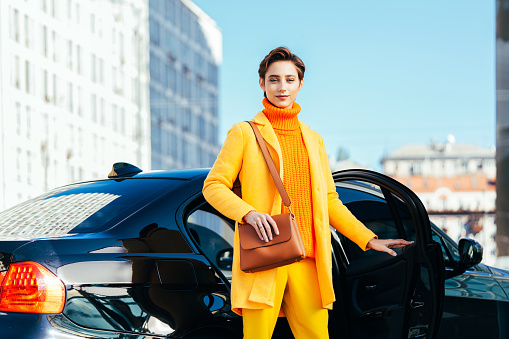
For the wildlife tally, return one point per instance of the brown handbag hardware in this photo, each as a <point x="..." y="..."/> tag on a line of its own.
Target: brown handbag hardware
<point x="287" y="247"/>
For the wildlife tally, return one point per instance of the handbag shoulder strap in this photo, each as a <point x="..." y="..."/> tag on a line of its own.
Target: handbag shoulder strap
<point x="270" y="164"/>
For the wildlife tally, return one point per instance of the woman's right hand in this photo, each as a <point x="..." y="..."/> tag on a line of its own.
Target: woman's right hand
<point x="263" y="224"/>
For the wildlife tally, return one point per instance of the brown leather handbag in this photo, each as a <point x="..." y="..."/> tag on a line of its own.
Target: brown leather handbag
<point x="287" y="247"/>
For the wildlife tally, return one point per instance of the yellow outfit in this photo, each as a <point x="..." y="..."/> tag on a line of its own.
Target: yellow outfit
<point x="241" y="156"/>
<point x="298" y="294"/>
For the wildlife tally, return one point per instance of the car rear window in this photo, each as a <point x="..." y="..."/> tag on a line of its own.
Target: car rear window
<point x="81" y="208"/>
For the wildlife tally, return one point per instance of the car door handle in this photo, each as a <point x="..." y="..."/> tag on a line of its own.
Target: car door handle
<point x="416" y="304"/>
<point x="370" y="288"/>
<point x="378" y="314"/>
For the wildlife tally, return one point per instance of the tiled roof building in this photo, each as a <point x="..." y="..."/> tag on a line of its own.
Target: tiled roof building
<point x="456" y="183"/>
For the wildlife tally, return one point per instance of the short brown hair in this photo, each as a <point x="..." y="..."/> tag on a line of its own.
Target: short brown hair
<point x="281" y="54"/>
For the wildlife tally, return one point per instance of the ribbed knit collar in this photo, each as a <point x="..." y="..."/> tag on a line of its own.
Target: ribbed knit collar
<point x="282" y="118"/>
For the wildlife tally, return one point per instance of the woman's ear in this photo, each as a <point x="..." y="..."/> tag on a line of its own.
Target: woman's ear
<point x="262" y="84"/>
<point x="301" y="83"/>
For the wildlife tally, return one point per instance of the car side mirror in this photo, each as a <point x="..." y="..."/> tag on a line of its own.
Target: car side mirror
<point x="470" y="253"/>
<point x="224" y="259"/>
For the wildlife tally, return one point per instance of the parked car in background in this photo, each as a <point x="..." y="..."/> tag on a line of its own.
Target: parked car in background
<point x="143" y="255"/>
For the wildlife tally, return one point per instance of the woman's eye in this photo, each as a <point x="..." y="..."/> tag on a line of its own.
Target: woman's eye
<point x="290" y="80"/>
<point x="273" y="80"/>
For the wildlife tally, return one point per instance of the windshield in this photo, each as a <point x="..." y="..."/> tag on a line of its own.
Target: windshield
<point x="80" y="208"/>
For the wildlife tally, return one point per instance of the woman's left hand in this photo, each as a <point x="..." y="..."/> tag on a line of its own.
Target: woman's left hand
<point x="385" y="245"/>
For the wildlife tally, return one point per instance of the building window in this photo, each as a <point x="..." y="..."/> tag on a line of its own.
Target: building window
<point x="27" y="77"/>
<point x="15" y="25"/>
<point x="201" y="126"/>
<point x="69" y="9"/>
<point x="18" y="118"/>
<point x="29" y="121"/>
<point x="28" y="32"/>
<point x="45" y="94"/>
<point x="92" y="23"/>
<point x="154" y="32"/>
<point x="101" y="70"/>
<point x="29" y="167"/>
<point x="69" y="54"/>
<point x="93" y="67"/>
<point x="29" y="85"/>
<point x="53" y="9"/>
<point x="187" y="120"/>
<point x="55" y="89"/>
<point x="79" y="101"/>
<point x="184" y="153"/>
<point x="69" y="97"/>
<point x="54" y="40"/>
<point x="121" y="45"/>
<point x="18" y="163"/>
<point x="15" y="73"/>
<point x="78" y="60"/>
<point x="173" y="146"/>
<point x="93" y="107"/>
<point x="78" y="13"/>
<point x="44" y="41"/>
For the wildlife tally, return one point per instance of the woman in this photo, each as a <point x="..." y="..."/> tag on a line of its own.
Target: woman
<point x="302" y="291"/>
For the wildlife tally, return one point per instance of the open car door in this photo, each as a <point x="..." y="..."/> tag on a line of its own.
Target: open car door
<point x="381" y="296"/>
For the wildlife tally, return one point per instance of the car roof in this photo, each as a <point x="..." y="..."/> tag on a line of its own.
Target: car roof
<point x="184" y="174"/>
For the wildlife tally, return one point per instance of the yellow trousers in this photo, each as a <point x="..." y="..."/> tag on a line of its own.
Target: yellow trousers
<point x="298" y="293"/>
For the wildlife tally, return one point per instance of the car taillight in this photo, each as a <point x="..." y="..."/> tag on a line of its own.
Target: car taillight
<point x="29" y="287"/>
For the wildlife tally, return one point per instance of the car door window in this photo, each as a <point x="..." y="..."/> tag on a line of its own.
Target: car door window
<point x="382" y="212"/>
<point x="213" y="234"/>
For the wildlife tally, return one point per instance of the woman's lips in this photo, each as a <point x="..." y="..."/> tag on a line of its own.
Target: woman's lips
<point x="282" y="97"/>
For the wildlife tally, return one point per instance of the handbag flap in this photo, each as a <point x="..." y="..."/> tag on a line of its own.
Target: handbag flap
<point x="249" y="238"/>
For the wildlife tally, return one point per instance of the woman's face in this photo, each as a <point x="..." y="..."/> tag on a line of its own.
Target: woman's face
<point x="281" y="83"/>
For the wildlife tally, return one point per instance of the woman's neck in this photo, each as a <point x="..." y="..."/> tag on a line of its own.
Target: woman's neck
<point x="282" y="118"/>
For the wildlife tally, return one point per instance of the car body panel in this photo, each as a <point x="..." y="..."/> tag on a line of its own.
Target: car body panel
<point x="153" y="272"/>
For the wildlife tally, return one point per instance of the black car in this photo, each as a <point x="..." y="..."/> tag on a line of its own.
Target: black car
<point x="143" y="255"/>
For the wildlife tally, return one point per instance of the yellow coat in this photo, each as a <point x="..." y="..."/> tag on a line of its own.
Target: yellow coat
<point x="241" y="155"/>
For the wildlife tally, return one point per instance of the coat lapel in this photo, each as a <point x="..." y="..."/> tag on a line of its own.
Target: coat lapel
<point x="316" y="172"/>
<point x="270" y="137"/>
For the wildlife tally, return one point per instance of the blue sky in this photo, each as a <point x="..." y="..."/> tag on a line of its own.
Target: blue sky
<point x="379" y="74"/>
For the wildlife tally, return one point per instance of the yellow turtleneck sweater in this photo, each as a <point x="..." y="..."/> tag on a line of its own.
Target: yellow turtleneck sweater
<point x="296" y="178"/>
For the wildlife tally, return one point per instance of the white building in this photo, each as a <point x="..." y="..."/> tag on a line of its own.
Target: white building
<point x="74" y="93"/>
<point x="456" y="183"/>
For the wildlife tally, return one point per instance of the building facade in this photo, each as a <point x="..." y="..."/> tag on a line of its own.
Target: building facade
<point x="456" y="183"/>
<point x="74" y="93"/>
<point x="185" y="54"/>
<point x="503" y="131"/>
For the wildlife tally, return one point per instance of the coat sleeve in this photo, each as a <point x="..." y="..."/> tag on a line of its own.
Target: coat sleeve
<point x="219" y="182"/>
<point x="339" y="216"/>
